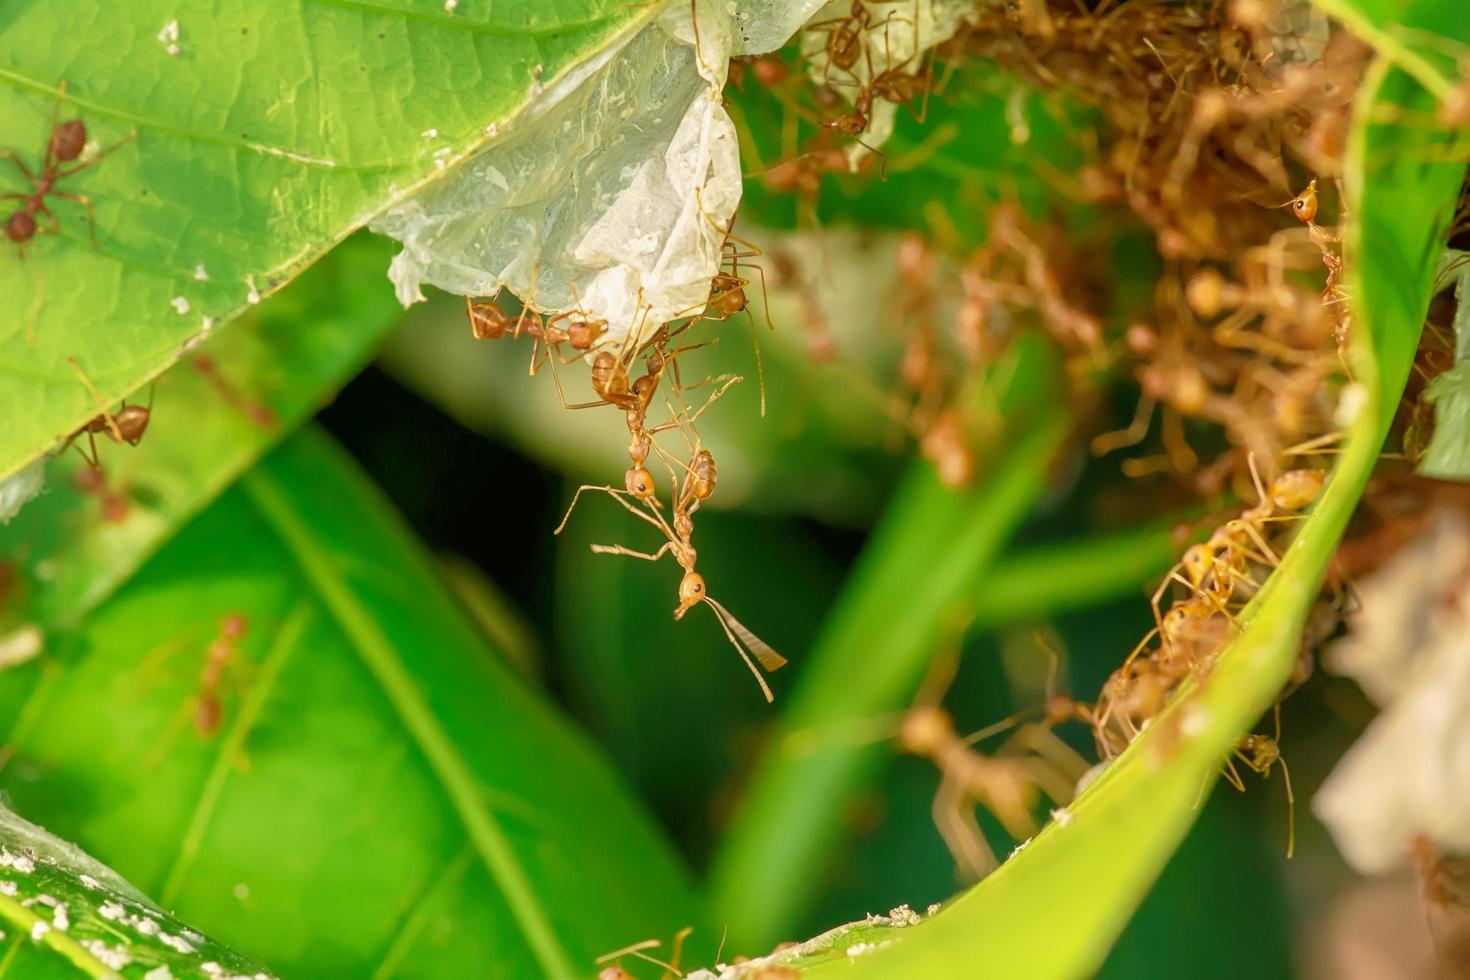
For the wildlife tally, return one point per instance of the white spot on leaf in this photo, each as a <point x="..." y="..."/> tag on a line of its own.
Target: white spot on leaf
<point x="169" y="38"/>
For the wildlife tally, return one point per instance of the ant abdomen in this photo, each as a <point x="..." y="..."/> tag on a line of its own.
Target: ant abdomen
<point x="69" y="140"/>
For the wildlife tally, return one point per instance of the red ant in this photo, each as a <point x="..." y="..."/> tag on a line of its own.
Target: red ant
<point x="93" y="480"/>
<point x="257" y="412"/>
<point x="845" y="36"/>
<point x="127" y="425"/>
<point x="208" y="711"/>
<point x="65" y="145"/>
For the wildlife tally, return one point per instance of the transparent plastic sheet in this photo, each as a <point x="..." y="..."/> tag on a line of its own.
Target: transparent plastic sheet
<point x="897" y="37"/>
<point x="614" y="198"/>
<point x="19" y="489"/>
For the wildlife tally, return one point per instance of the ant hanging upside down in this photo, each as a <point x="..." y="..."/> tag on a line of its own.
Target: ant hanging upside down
<point x="695" y="487"/>
<point x="67" y="142"/>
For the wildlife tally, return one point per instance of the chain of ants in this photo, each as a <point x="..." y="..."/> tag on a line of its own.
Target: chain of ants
<point x="572" y="335"/>
<point x="1209" y="133"/>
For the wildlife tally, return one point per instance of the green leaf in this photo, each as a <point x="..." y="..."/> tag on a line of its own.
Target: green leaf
<point x="290" y="355"/>
<point x="65" y="915"/>
<point x="917" y="574"/>
<point x="383" y="793"/>
<point x="1448" y="454"/>
<point x="1045" y="580"/>
<point x="269" y="134"/>
<point x="1030" y="918"/>
<point x="980" y="141"/>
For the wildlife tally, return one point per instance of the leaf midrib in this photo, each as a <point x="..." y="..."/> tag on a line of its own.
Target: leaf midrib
<point x="56" y="940"/>
<point x="377" y="653"/>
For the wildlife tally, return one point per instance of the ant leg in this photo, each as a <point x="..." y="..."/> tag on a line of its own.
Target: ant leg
<point x="171" y="733"/>
<point x="619" y="496"/>
<point x="560" y="393"/>
<point x="100" y="154"/>
<point x="1131" y="436"/>
<point x="960" y="830"/>
<point x="95" y="462"/>
<point x="85" y="202"/>
<point x="689" y="420"/>
<point x="14" y="158"/>
<point x="1290" y="806"/>
<point x="55" y="114"/>
<point x="617" y="549"/>
<point x="1176" y="445"/>
<point x="101" y="405"/>
<point x="1232" y="775"/>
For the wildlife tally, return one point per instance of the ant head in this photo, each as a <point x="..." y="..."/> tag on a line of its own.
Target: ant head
<point x="1190" y="391"/>
<point x="232" y="627"/>
<point x="1454" y="106"/>
<point x="1142" y="339"/>
<point x="582" y="334"/>
<point x="1304" y="205"/>
<point x="915" y="262"/>
<point x="639" y="482"/>
<point x="1205" y="292"/>
<point x="643" y="389"/>
<point x="90" y="479"/>
<point x="691" y="593"/>
<point x="731" y="301"/>
<point x="68" y="140"/>
<point x="1295" y="489"/>
<point x="21" y="227"/>
<point x="925" y="730"/>
<point x="1197" y="562"/>
<point x="132" y="422"/>
<point x="770" y="70"/>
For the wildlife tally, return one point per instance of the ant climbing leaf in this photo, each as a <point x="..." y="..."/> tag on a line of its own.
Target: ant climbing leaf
<point x="264" y="377"/>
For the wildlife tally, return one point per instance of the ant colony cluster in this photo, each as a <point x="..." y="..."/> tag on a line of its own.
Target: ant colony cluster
<point x="1220" y="134"/>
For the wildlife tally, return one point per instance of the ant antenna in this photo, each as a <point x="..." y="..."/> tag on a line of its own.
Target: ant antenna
<point x="101" y="405"/>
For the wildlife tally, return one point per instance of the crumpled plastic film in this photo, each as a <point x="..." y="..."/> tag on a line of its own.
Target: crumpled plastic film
<point x="613" y="201"/>
<point x="765" y="25"/>
<point x="17" y="491"/>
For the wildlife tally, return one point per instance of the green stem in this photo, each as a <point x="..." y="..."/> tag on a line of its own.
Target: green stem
<point x="920" y="569"/>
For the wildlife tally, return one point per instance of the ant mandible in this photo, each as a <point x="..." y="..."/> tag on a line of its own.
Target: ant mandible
<point x="65" y="145"/>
